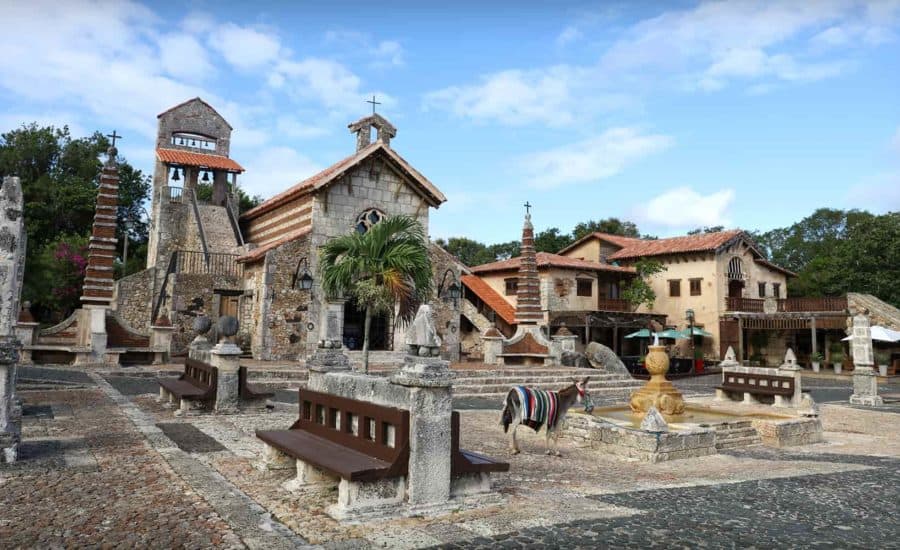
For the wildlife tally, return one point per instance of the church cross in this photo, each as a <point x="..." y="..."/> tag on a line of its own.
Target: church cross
<point x="114" y="137"/>
<point x="527" y="207"/>
<point x="374" y="103"/>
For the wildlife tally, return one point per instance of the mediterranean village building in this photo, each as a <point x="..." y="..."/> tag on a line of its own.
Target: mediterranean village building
<point x="262" y="267"/>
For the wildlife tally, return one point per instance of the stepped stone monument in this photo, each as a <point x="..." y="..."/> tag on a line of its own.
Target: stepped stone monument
<point x="865" y="384"/>
<point x="12" y="263"/>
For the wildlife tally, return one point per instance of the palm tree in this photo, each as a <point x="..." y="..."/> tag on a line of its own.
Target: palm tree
<point x="379" y="268"/>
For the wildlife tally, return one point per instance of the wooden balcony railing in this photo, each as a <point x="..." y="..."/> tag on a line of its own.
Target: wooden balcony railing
<point x="613" y="304"/>
<point x="788" y="305"/>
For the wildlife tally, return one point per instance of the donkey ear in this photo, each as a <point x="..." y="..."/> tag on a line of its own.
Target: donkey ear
<point x="585" y="381"/>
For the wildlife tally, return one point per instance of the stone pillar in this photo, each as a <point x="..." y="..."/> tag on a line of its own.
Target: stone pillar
<point x="12" y="261"/>
<point x="226" y="356"/>
<point x="161" y="339"/>
<point x="865" y="384"/>
<point x="792" y="369"/>
<point x="431" y="407"/>
<point x="329" y="355"/>
<point x="26" y="332"/>
<point x="492" y="344"/>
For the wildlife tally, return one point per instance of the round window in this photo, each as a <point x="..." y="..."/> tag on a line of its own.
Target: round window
<point x="367" y="219"/>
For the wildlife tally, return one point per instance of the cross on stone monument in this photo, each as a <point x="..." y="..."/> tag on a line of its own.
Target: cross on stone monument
<point x="374" y="103"/>
<point x="527" y="207"/>
<point x="113" y="137"/>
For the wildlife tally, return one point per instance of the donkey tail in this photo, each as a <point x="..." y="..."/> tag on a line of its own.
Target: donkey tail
<point x="506" y="417"/>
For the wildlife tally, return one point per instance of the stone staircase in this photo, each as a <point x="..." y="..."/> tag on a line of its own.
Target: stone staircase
<point x="217" y="229"/>
<point x="739" y="433"/>
<point x="496" y="382"/>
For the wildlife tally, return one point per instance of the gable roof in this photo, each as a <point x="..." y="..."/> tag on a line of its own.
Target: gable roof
<point x="259" y="253"/>
<point x="704" y="242"/>
<point x="490" y="297"/>
<point x="545" y="259"/>
<point x="188" y="158"/>
<point x="183" y="103"/>
<point x="338" y="169"/>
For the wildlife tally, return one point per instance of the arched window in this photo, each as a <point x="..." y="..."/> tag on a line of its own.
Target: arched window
<point x="735" y="269"/>
<point x="367" y="219"/>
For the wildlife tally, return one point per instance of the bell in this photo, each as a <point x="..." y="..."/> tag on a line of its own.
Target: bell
<point x="175" y="176"/>
<point x="205" y="177"/>
<point x="181" y="142"/>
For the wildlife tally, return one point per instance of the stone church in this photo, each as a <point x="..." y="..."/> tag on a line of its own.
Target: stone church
<point x="262" y="265"/>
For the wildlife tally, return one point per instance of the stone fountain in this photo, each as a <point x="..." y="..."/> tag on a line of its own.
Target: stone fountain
<point x="657" y="392"/>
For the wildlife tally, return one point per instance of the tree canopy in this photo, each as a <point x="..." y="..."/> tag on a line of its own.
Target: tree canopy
<point x="60" y="177"/>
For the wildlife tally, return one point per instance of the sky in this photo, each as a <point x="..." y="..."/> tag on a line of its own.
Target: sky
<point x="673" y="115"/>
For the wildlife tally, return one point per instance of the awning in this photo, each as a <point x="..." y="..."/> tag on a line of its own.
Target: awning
<point x="670" y="333"/>
<point x="880" y="334"/>
<point x="643" y="333"/>
<point x="697" y="332"/>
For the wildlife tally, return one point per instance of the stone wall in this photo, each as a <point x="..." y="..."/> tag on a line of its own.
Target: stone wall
<point x="590" y="431"/>
<point x="446" y="311"/>
<point x="134" y="297"/>
<point x="789" y="433"/>
<point x="190" y="293"/>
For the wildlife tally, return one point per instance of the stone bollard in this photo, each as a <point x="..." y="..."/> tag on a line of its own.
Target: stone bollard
<point x="865" y="383"/>
<point x="792" y="369"/>
<point x="492" y="345"/>
<point x="562" y="342"/>
<point x="226" y="356"/>
<point x="161" y="339"/>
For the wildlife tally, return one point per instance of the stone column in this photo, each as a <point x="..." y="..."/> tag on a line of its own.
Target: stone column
<point x="492" y="344"/>
<point x="329" y="355"/>
<point x="226" y="356"/>
<point x="865" y="384"/>
<point x="12" y="257"/>
<point x="792" y="369"/>
<point x="161" y="339"/>
<point x="431" y="406"/>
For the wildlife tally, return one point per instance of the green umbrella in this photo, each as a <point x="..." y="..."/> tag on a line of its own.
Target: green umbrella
<point x="670" y="333"/>
<point x="643" y="333"/>
<point x="697" y="332"/>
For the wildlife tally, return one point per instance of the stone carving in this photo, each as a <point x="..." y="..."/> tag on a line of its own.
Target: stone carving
<point x="654" y="422"/>
<point x="202" y="324"/>
<point x="228" y="326"/>
<point x="421" y="337"/>
<point x="601" y="357"/>
<point x="574" y="359"/>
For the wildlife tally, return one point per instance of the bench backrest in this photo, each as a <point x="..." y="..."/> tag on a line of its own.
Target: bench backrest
<point x="200" y="374"/>
<point x="749" y="381"/>
<point x="375" y="430"/>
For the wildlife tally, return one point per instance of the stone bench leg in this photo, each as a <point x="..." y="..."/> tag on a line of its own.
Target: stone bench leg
<point x="361" y="499"/>
<point x="309" y="476"/>
<point x="779" y="401"/>
<point x="189" y="407"/>
<point x="750" y="399"/>
<point x="470" y="484"/>
<point x="273" y="459"/>
<point x="721" y="395"/>
<point x="163" y="395"/>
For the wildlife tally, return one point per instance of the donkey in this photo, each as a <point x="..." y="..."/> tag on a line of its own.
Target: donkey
<point x="535" y="408"/>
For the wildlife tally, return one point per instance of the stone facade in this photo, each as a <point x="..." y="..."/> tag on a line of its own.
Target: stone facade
<point x="134" y="298"/>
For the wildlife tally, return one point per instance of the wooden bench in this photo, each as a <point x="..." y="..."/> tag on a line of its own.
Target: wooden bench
<point x="467" y="462"/>
<point x="198" y="382"/>
<point x="751" y="384"/>
<point x="247" y="393"/>
<point x="350" y="439"/>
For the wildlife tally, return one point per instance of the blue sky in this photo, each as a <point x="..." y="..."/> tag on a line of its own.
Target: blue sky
<point x="673" y="115"/>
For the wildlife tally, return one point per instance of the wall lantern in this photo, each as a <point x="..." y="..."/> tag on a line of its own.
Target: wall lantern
<point x="451" y="292"/>
<point x="302" y="279"/>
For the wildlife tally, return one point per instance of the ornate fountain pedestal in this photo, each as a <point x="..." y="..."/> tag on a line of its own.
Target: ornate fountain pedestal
<point x="657" y="392"/>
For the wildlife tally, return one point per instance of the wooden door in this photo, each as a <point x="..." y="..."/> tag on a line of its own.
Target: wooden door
<point x="729" y="336"/>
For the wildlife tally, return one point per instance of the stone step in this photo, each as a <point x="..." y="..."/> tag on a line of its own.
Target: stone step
<point x="599" y="393"/>
<point x="501" y="371"/>
<point x="739" y="442"/>
<point x="736" y="436"/>
<point x="529" y="380"/>
<point x="552" y="386"/>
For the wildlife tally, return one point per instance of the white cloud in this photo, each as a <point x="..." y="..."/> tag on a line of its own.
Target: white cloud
<point x="323" y="80"/>
<point x="683" y="207"/>
<point x="380" y="54"/>
<point x="275" y="169"/>
<point x="292" y="127"/>
<point x="244" y="47"/>
<point x="513" y="97"/>
<point x="593" y="159"/>
<point x="183" y="57"/>
<point x="568" y="35"/>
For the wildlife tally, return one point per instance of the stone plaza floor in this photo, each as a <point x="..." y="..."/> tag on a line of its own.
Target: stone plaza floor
<point x="104" y="465"/>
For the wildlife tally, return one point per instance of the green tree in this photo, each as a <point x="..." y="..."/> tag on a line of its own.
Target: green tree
<point x="505" y="251"/>
<point x="245" y="201"/>
<point x="638" y="291"/>
<point x="377" y="269"/>
<point x="706" y="229"/>
<point x="470" y="252"/>
<point x="60" y="177"/>
<point x="551" y="240"/>
<point x="613" y="226"/>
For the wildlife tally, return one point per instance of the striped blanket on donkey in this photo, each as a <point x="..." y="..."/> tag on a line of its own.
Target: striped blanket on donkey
<point x="539" y="407"/>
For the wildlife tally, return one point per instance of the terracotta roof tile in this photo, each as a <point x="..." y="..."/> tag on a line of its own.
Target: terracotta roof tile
<point x="545" y="259"/>
<point x="187" y="158"/>
<point x="259" y="253"/>
<point x="617" y="240"/>
<point x="676" y="245"/>
<point x="336" y="170"/>
<point x="776" y="267"/>
<point x="490" y="297"/>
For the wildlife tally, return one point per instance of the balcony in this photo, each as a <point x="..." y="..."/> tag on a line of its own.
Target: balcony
<point x="613" y="304"/>
<point x="787" y="305"/>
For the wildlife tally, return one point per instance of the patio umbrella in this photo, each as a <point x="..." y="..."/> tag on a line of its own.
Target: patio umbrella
<point x="643" y="333"/>
<point x="670" y="333"/>
<point x="880" y="334"/>
<point x="697" y="332"/>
